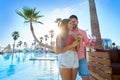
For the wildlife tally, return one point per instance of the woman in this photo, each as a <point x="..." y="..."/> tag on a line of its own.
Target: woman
<point x="67" y="55"/>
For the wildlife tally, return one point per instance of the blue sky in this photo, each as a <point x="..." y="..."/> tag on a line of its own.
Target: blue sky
<point x="108" y="12"/>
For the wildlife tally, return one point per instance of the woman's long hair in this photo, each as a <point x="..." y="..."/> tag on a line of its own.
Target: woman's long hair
<point x="64" y="28"/>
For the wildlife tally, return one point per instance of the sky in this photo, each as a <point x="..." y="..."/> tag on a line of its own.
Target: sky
<point x="108" y="13"/>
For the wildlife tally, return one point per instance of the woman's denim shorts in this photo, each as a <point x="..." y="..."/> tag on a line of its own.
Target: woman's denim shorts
<point x="68" y="59"/>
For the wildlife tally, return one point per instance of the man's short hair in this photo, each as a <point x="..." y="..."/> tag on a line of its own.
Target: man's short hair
<point x="73" y="16"/>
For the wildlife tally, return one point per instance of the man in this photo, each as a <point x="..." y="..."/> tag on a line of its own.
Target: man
<point x="84" y="42"/>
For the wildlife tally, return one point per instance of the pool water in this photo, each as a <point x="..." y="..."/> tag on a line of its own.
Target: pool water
<point x="18" y="66"/>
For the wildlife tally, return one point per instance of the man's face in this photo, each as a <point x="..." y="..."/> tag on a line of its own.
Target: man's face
<point x="75" y="22"/>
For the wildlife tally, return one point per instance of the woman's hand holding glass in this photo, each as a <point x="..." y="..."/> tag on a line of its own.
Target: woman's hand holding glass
<point x="77" y="39"/>
<point x="75" y="43"/>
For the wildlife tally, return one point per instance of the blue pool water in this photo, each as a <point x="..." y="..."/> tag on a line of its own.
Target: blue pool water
<point x="17" y="66"/>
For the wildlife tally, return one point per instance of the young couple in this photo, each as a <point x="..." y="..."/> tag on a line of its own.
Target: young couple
<point x="71" y="60"/>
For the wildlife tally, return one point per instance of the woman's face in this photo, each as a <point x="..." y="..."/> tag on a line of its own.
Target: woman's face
<point x="70" y="25"/>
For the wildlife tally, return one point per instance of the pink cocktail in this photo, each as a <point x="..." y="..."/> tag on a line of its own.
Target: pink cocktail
<point x="92" y="39"/>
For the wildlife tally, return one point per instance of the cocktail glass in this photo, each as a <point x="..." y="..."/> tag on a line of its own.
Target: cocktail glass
<point x="92" y="39"/>
<point x="78" y="38"/>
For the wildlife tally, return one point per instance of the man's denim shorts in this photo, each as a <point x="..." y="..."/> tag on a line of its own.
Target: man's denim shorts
<point x="83" y="68"/>
<point x="68" y="59"/>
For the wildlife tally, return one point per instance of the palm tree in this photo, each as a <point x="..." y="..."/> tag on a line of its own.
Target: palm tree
<point x="25" y="44"/>
<point x="15" y="36"/>
<point x="58" y="20"/>
<point x="31" y="15"/>
<point x="19" y="44"/>
<point x="41" y="38"/>
<point x="34" y="43"/>
<point x="46" y="37"/>
<point x="32" y="46"/>
<point x="95" y="25"/>
<point x="51" y="35"/>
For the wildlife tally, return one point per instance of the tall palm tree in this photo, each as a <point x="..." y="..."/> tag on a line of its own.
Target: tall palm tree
<point x="31" y="15"/>
<point x="95" y="25"/>
<point x="15" y="36"/>
<point x="51" y="35"/>
<point x="58" y="20"/>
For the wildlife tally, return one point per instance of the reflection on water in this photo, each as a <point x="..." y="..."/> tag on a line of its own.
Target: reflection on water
<point x="10" y="70"/>
<point x="18" y="66"/>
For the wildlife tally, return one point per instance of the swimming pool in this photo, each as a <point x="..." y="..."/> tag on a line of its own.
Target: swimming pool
<point x="18" y="66"/>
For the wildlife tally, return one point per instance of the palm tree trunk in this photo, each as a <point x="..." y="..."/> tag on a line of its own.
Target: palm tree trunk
<point x="51" y="41"/>
<point x="40" y="43"/>
<point x="13" y="46"/>
<point x="95" y="25"/>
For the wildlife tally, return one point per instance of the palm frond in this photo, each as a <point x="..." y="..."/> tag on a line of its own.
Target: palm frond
<point x="27" y="12"/>
<point x="21" y="14"/>
<point x="15" y="35"/>
<point x="30" y="15"/>
<point x="39" y="22"/>
<point x="58" y="20"/>
<point x="39" y="16"/>
<point x="26" y="21"/>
